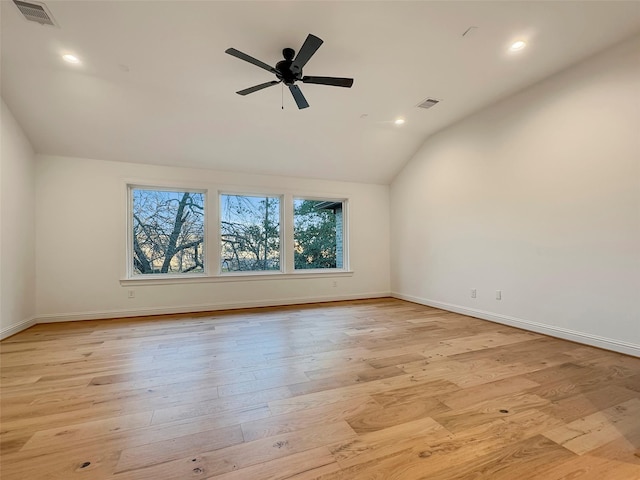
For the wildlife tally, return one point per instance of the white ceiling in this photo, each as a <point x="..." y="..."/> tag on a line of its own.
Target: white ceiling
<point x="156" y="87"/>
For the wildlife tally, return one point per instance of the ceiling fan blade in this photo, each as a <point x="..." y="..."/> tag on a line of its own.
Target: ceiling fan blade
<point x="248" y="58"/>
<point x="309" y="47"/>
<point x="334" y="81"/>
<point x="255" y="88"/>
<point x="298" y="97"/>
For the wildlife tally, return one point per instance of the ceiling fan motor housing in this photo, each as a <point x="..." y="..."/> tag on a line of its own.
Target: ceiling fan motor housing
<point x="284" y="70"/>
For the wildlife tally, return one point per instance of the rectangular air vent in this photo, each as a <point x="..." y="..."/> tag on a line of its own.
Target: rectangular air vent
<point x="428" y="103"/>
<point x="35" y="12"/>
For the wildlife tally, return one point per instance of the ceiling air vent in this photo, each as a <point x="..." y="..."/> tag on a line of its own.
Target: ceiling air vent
<point x="35" y="12"/>
<point x="428" y="103"/>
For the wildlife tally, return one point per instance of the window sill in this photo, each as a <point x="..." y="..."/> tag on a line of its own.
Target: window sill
<point x="232" y="277"/>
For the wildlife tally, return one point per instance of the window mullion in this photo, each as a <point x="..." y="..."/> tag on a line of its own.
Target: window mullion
<point x="288" y="243"/>
<point x="213" y="234"/>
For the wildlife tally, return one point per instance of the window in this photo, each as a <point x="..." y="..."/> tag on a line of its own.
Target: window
<point x="318" y="234"/>
<point x="179" y="234"/>
<point x="167" y="228"/>
<point x="249" y="233"/>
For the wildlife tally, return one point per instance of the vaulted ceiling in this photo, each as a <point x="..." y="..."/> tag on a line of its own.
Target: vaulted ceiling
<point x="155" y="86"/>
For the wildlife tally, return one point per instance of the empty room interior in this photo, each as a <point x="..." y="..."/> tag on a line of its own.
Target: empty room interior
<point x="320" y="240"/>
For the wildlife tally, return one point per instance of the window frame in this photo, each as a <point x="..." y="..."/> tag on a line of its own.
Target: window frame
<point x="281" y="213"/>
<point x="345" y="233"/>
<point x="130" y="271"/>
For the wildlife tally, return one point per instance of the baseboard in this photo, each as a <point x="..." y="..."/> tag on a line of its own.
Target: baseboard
<point x="18" y="327"/>
<point x="210" y="307"/>
<point x="564" y="333"/>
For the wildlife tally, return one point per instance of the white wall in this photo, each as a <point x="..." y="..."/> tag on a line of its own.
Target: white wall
<point x="81" y="222"/>
<point x="537" y="196"/>
<point x="17" y="226"/>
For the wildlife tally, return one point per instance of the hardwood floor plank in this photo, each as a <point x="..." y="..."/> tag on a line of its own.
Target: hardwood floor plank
<point x="616" y="460"/>
<point x="397" y="360"/>
<point x="219" y="405"/>
<point x="291" y="422"/>
<point x="455" y="459"/>
<point x="394" y="414"/>
<point x="582" y="403"/>
<point x="532" y="455"/>
<point x="130" y="438"/>
<point x="383" y="442"/>
<point x="417" y="392"/>
<point x="465" y="397"/>
<point x="308" y="464"/>
<point x="73" y="434"/>
<point x="327" y="397"/>
<point x="192" y="444"/>
<point x="488" y="410"/>
<point x="589" y="468"/>
<point x="588" y="433"/>
<point x="244" y="455"/>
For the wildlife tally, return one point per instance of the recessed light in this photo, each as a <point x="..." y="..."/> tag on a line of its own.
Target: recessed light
<point x="399" y="121"/>
<point x="70" y="58"/>
<point x="517" y="45"/>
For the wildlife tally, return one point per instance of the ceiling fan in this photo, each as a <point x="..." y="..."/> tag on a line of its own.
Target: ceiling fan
<point x="289" y="70"/>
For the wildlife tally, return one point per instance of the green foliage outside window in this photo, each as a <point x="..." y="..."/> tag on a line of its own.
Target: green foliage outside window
<point x="315" y="235"/>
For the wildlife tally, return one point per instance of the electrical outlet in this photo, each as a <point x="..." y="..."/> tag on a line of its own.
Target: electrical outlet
<point x="334" y="284"/>
<point x="131" y="294"/>
<point x="473" y="293"/>
<point x="498" y="294"/>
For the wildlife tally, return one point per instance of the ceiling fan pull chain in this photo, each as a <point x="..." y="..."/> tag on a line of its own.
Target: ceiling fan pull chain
<point x="282" y="92"/>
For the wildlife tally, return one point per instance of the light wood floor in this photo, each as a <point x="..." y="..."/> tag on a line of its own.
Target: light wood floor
<point x="377" y="389"/>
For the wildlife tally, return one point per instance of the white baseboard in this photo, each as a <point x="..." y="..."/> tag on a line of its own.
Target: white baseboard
<point x="564" y="333"/>
<point x="18" y="327"/>
<point x="140" y="312"/>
